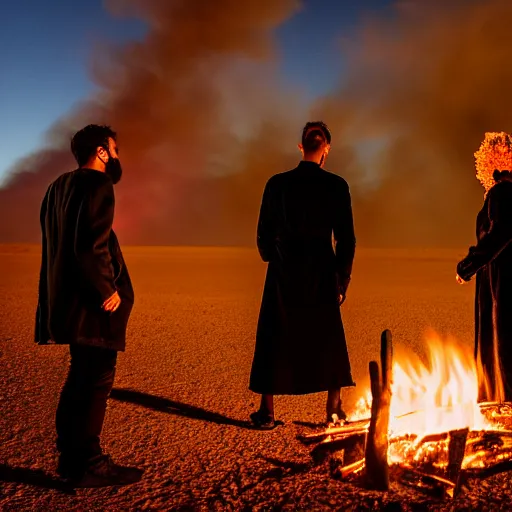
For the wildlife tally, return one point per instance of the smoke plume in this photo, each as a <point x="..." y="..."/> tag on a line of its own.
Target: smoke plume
<point x="204" y="119"/>
<point x="422" y="88"/>
<point x="187" y="102"/>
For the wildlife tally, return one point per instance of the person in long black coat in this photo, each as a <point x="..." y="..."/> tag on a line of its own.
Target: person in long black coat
<point x="300" y="342"/>
<point x="85" y="300"/>
<point x="491" y="261"/>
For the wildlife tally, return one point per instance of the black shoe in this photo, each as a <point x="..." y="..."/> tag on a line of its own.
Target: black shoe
<point x="70" y="469"/>
<point x="263" y="421"/>
<point x="103" y="472"/>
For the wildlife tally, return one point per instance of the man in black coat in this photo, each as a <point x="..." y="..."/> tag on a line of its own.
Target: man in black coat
<point x="300" y="342"/>
<point x="85" y="300"/>
<point x="491" y="261"/>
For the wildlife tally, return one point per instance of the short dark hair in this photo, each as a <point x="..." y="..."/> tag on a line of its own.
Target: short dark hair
<point x="313" y="141"/>
<point x="85" y="142"/>
<point x="320" y="125"/>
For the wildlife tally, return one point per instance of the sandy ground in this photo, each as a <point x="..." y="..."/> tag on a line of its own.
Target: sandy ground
<point x="181" y="401"/>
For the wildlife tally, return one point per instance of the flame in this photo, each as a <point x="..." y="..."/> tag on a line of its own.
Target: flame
<point x="362" y="408"/>
<point x="434" y="401"/>
<point x="432" y="398"/>
<point x="438" y="397"/>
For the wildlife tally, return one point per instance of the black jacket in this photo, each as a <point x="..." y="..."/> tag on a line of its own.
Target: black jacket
<point x="300" y="343"/>
<point x="82" y="264"/>
<point x="491" y="260"/>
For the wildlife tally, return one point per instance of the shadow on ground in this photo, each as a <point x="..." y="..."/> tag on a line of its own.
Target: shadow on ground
<point x="34" y="477"/>
<point x="284" y="468"/>
<point x="166" y="405"/>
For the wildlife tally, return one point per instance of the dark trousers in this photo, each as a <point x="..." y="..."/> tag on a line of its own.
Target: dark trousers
<point x="83" y="402"/>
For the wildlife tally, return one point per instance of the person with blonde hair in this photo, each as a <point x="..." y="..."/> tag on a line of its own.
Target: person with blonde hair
<point x="491" y="261"/>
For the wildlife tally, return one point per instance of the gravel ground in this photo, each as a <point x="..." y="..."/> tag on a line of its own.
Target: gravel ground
<point x="180" y="403"/>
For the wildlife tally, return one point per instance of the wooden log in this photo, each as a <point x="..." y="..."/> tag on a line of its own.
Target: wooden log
<point x="377" y="443"/>
<point x="491" y="469"/>
<point x="352" y="468"/>
<point x="354" y="428"/>
<point x="487" y="405"/>
<point x="332" y="439"/>
<point x="432" y="485"/>
<point x="339" y="437"/>
<point x="373" y="466"/>
<point x="489" y="433"/>
<point x="433" y="438"/>
<point x="349" y="425"/>
<point x="456" y="451"/>
<point x="350" y="447"/>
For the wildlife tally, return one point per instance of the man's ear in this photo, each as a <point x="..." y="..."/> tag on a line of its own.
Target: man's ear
<point x="102" y="154"/>
<point x="301" y="148"/>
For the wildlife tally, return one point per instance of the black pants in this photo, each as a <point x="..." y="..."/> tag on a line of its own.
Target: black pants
<point x="83" y="402"/>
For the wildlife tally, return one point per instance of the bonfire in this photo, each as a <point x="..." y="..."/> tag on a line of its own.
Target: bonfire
<point x="420" y="423"/>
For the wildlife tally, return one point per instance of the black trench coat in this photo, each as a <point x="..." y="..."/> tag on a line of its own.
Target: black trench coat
<point x="300" y="342"/>
<point x="82" y="264"/>
<point x="491" y="261"/>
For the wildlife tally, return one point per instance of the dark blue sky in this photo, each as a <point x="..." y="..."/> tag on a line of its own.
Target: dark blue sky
<point x="45" y="47"/>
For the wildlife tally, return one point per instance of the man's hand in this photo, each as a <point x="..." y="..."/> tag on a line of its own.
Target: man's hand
<point x="460" y="280"/>
<point x="111" y="304"/>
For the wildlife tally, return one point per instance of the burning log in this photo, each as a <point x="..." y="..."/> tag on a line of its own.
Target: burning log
<point x="377" y="442"/>
<point x="350" y="425"/>
<point x="456" y="451"/>
<point x="350" y="469"/>
<point x="343" y="449"/>
<point x="489" y="441"/>
<point x="500" y="466"/>
<point x="498" y="413"/>
<point x="435" y="446"/>
<point x="355" y="428"/>
<point x="426" y="483"/>
<point x="506" y="407"/>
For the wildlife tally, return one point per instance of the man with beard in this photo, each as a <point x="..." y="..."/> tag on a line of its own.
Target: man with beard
<point x="300" y="344"/>
<point x="85" y="300"/>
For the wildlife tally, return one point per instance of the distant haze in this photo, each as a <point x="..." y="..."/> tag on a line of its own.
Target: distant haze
<point x="204" y="120"/>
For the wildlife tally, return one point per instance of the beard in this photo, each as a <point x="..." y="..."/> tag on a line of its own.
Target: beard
<point x="114" y="170"/>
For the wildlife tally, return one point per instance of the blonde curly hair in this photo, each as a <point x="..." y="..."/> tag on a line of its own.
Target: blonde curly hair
<point x="495" y="153"/>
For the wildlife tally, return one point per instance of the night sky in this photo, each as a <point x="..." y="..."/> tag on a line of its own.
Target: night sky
<point x="46" y="47"/>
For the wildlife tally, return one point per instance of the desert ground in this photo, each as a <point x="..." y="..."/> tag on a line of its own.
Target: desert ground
<point x="181" y="402"/>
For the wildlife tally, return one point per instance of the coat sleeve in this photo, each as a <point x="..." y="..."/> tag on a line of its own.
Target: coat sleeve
<point x="41" y="331"/>
<point x="93" y="228"/>
<point x="344" y="237"/>
<point x="266" y="229"/>
<point x="497" y="237"/>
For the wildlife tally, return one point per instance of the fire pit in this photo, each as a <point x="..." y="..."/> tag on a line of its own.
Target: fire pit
<point x="420" y="426"/>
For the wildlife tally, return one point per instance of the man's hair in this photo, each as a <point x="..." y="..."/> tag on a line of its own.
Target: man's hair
<point x="314" y="134"/>
<point x="86" y="141"/>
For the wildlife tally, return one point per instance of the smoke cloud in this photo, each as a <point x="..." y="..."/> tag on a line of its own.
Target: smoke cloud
<point x="188" y="103"/>
<point x="422" y="88"/>
<point x="204" y="119"/>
